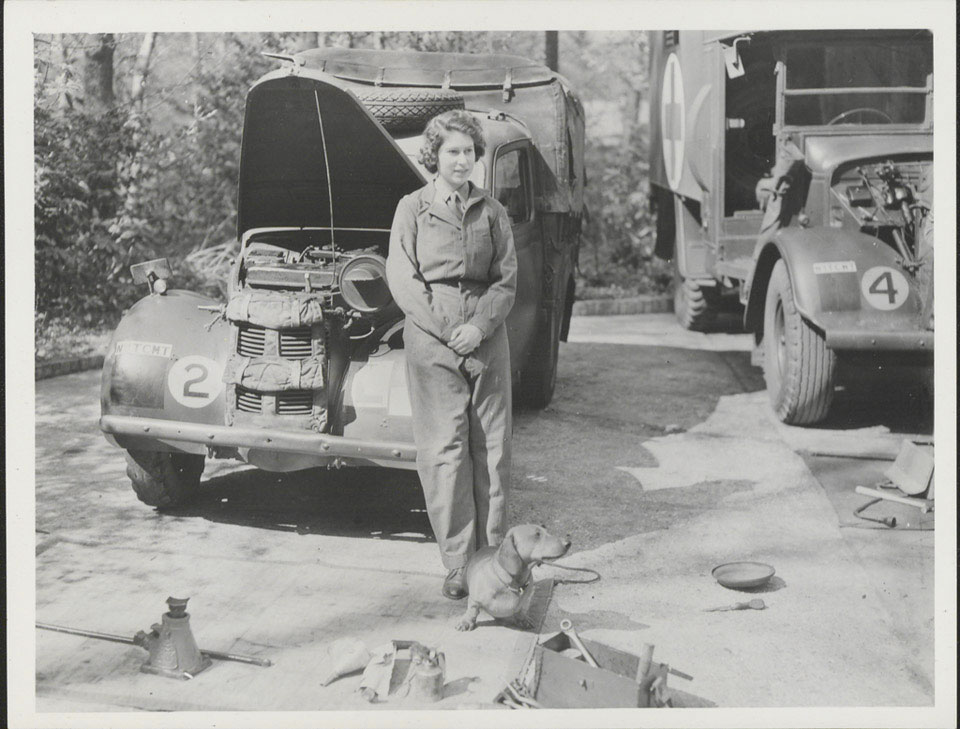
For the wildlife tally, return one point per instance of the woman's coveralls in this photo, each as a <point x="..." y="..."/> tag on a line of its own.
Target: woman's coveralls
<point x="444" y="271"/>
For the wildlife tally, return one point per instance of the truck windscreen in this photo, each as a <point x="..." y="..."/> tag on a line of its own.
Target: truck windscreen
<point x="857" y="83"/>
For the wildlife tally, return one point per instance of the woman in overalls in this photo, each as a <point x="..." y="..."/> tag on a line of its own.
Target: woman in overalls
<point x="452" y="269"/>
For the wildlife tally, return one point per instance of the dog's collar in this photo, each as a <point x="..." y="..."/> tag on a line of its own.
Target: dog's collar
<point x="508" y="580"/>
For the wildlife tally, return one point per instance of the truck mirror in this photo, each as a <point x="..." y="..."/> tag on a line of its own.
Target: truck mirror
<point x="153" y="273"/>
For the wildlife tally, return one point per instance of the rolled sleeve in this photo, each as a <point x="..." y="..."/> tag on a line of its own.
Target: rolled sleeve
<point x="497" y="301"/>
<point x="404" y="279"/>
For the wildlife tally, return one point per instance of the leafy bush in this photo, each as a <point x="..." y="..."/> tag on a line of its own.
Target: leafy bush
<point x="618" y="239"/>
<point x="80" y="262"/>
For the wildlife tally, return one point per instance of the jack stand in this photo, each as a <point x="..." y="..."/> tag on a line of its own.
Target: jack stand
<point x="173" y="651"/>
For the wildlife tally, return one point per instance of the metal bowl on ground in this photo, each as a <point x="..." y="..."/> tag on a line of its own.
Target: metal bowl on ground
<point x="739" y="575"/>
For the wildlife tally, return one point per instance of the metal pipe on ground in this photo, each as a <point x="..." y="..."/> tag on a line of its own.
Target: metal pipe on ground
<point x="253" y="660"/>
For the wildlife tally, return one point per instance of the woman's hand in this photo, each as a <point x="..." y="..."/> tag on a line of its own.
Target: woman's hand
<point x="465" y="339"/>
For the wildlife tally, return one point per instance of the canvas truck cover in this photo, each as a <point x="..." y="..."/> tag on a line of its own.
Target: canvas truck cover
<point x="313" y="156"/>
<point x="539" y="98"/>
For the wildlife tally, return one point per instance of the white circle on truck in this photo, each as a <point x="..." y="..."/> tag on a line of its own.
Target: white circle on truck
<point x="884" y="288"/>
<point x="672" y="120"/>
<point x="195" y="381"/>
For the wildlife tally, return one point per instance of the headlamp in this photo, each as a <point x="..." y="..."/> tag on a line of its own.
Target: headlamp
<point x="363" y="283"/>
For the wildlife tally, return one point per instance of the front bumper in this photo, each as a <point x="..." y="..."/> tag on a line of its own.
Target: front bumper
<point x="277" y="441"/>
<point x="919" y="342"/>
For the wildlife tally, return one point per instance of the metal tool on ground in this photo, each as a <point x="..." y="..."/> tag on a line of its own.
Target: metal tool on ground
<point x="910" y="479"/>
<point x="170" y="644"/>
<point x="173" y="651"/>
<point x="755" y="604"/>
<point x="567" y="627"/>
<point x="404" y="669"/>
<point x="887" y="521"/>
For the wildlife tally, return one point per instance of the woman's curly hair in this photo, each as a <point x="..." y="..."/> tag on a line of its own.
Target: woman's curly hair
<point x="440" y="126"/>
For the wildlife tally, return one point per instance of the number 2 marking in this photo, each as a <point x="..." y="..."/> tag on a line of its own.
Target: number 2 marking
<point x="195" y="381"/>
<point x="187" y="384"/>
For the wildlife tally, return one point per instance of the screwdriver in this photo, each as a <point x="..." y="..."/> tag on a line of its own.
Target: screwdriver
<point x="755" y="604"/>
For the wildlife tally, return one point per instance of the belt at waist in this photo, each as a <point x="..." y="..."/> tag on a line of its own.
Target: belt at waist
<point x="458" y="282"/>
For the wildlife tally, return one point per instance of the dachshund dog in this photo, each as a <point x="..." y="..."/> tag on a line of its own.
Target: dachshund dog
<point x="497" y="576"/>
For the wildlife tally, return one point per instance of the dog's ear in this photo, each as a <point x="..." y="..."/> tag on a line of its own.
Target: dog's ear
<point x="508" y="557"/>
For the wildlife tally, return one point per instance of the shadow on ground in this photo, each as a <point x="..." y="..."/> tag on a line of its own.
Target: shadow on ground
<point x="870" y="394"/>
<point x="358" y="502"/>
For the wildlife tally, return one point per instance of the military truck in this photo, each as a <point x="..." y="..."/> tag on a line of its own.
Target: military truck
<point x="792" y="171"/>
<point x="303" y="364"/>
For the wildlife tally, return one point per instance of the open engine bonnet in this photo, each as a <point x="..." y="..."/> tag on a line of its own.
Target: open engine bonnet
<point x="313" y="157"/>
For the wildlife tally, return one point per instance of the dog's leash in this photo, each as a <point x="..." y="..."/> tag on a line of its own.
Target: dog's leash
<point x="595" y="578"/>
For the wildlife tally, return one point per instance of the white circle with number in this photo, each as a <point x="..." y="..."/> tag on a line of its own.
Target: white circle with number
<point x="884" y="288"/>
<point x="195" y="381"/>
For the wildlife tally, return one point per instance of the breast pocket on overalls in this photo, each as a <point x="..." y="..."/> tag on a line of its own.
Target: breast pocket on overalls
<point x="480" y="246"/>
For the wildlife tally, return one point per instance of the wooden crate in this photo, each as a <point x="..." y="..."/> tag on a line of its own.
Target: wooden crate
<point x="559" y="681"/>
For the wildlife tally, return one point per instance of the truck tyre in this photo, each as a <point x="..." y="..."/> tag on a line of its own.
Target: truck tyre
<point x="408" y="109"/>
<point x="538" y="378"/>
<point x="797" y="365"/>
<point x="164" y="480"/>
<point x="695" y="306"/>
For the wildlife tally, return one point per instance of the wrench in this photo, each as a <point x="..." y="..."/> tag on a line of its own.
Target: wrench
<point x="567" y="627"/>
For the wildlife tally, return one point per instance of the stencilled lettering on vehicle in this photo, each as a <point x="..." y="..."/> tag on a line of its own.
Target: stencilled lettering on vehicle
<point x="154" y="349"/>
<point x="835" y="267"/>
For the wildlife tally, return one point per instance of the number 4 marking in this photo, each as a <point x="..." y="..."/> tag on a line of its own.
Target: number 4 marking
<point x="885" y="288"/>
<point x="887" y="278"/>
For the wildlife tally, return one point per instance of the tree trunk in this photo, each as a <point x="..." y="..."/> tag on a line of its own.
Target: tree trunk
<point x="197" y="73"/>
<point x="552" y="50"/>
<point x="64" y="74"/>
<point x="141" y="68"/>
<point x="98" y="74"/>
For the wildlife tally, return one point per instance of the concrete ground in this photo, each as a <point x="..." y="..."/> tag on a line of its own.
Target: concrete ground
<point x="659" y="459"/>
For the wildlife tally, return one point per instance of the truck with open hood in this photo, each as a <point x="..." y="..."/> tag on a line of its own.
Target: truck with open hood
<point x="794" y="169"/>
<point x="303" y="364"/>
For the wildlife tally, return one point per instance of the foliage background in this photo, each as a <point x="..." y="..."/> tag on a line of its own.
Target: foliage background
<point x="137" y="146"/>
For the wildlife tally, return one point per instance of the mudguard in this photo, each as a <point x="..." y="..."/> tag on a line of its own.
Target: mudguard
<point x="165" y="361"/>
<point x="846" y="283"/>
<point x="166" y="391"/>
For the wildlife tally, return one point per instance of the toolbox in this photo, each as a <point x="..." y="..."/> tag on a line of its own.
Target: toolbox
<point x="559" y="680"/>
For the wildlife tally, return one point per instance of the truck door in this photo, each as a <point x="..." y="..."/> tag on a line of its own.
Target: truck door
<point x="513" y="187"/>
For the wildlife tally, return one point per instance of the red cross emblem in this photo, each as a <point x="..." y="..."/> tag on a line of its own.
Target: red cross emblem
<point x="672" y="120"/>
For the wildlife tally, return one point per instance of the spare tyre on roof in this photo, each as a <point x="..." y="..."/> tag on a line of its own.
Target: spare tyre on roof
<point x="407" y="109"/>
<point x="404" y="88"/>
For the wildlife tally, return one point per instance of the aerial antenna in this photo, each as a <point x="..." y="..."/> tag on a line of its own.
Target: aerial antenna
<point x="326" y="164"/>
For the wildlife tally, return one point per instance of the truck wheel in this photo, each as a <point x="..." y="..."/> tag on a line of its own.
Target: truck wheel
<point x="408" y="109"/>
<point x="538" y="379"/>
<point x="165" y="480"/>
<point x="695" y="306"/>
<point x="797" y="365"/>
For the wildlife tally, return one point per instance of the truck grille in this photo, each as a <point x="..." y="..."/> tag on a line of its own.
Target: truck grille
<point x="295" y="402"/>
<point x="295" y="343"/>
<point x="251" y="341"/>
<point x="249" y="401"/>
<point x="292" y="343"/>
